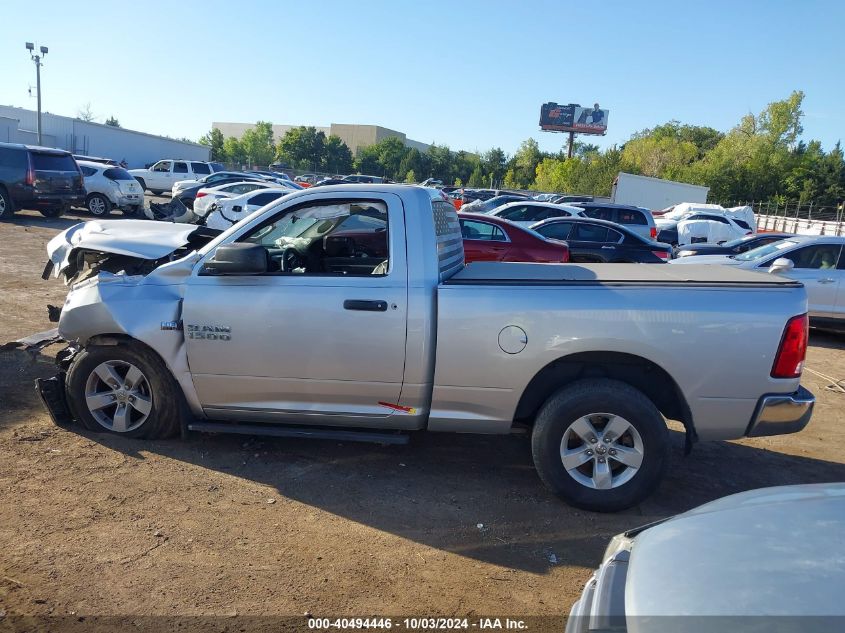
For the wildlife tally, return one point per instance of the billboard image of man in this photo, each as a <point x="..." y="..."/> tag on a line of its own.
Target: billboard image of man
<point x="597" y="115"/>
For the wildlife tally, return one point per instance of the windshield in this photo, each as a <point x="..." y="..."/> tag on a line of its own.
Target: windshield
<point x="764" y="251"/>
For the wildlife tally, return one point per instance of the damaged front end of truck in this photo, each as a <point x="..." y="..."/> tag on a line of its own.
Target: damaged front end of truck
<point x="126" y="284"/>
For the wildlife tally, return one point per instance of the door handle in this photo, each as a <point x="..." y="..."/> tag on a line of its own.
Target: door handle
<point x="826" y="280"/>
<point x="609" y="247"/>
<point x="367" y="306"/>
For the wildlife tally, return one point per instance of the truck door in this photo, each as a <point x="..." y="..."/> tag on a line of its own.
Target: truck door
<point x="180" y="172"/>
<point x="158" y="178"/>
<point x="320" y="338"/>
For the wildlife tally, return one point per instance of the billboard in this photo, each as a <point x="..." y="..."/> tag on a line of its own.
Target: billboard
<point x="573" y="118"/>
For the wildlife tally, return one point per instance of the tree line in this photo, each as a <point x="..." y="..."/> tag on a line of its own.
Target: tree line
<point x="762" y="158"/>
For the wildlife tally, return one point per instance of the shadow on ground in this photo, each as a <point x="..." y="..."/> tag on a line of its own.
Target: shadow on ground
<point x="476" y="496"/>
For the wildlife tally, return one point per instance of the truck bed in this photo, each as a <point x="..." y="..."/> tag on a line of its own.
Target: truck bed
<point x="613" y="274"/>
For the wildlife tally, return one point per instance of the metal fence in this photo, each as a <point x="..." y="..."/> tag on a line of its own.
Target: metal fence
<point x="794" y="217"/>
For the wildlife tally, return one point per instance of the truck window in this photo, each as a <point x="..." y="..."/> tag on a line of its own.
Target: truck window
<point x="180" y="168"/>
<point x="200" y="168"/>
<point x="346" y="238"/>
<point x="162" y="166"/>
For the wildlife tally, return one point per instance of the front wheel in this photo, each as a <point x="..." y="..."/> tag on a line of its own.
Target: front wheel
<point x="600" y="445"/>
<point x="124" y="389"/>
<point x="98" y="205"/>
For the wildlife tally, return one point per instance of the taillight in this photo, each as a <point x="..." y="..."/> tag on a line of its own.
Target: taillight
<point x="201" y="194"/>
<point x="653" y="233"/>
<point x="565" y="257"/>
<point x="661" y="254"/>
<point x="793" y="348"/>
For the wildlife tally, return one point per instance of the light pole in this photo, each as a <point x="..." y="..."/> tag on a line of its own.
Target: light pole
<point x="37" y="59"/>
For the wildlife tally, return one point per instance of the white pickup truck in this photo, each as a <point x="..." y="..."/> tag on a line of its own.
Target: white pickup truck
<point x="347" y="312"/>
<point x="164" y="174"/>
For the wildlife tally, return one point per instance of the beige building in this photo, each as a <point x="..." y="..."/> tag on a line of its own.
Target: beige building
<point x="354" y="135"/>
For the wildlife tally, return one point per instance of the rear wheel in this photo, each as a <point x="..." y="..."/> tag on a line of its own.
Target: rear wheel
<point x="98" y="205"/>
<point x="600" y="444"/>
<point x="52" y="212"/>
<point x="124" y="389"/>
<point x="6" y="208"/>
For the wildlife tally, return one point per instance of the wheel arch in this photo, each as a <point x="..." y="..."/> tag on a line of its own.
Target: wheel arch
<point x="639" y="372"/>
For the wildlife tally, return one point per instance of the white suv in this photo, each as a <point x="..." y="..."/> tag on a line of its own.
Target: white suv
<point x="165" y="173"/>
<point x="109" y="187"/>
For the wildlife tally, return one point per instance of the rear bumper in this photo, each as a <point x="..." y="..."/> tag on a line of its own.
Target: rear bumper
<point x="49" y="200"/>
<point x="780" y="414"/>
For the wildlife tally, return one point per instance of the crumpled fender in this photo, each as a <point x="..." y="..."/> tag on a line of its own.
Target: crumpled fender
<point x="111" y="306"/>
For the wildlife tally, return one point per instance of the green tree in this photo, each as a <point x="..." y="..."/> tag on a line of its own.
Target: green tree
<point x="233" y="151"/>
<point x="410" y="177"/>
<point x="337" y="157"/>
<point x="215" y="141"/>
<point x="495" y="163"/>
<point x="112" y="122"/>
<point x="476" y="179"/>
<point x="302" y="147"/>
<point x="257" y="143"/>
<point x="523" y="165"/>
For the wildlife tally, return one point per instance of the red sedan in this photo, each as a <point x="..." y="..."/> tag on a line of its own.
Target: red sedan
<point x="490" y="239"/>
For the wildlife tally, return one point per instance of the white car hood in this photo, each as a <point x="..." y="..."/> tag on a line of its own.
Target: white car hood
<point x="144" y="239"/>
<point x="770" y="552"/>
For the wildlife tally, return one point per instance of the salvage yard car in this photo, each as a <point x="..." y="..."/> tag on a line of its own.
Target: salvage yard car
<point x="110" y="187"/>
<point x="762" y="560"/>
<point x="347" y="312"/>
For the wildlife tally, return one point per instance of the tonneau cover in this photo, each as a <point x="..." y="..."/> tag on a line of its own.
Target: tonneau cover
<point x="579" y="274"/>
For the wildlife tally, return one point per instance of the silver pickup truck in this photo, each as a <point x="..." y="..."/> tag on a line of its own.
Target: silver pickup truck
<point x="347" y="312"/>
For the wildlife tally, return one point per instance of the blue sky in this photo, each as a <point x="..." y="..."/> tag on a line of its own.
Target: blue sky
<point x="469" y="74"/>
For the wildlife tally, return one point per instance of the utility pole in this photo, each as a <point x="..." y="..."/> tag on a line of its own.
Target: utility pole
<point x="38" y="63"/>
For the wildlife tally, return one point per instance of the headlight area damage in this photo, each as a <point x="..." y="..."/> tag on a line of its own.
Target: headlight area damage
<point x="132" y="247"/>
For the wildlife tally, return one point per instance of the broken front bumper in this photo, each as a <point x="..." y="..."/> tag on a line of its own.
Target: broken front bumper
<point x="782" y="413"/>
<point x="52" y="390"/>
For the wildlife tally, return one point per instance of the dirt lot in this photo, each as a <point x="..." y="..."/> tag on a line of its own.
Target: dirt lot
<point x="230" y="526"/>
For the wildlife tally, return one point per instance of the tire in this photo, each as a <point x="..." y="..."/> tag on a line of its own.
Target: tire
<point x="7" y="210"/>
<point x="152" y="408"/>
<point x="156" y="192"/>
<point x="98" y="205"/>
<point x="52" y="212"/>
<point x="142" y="183"/>
<point x="602" y="482"/>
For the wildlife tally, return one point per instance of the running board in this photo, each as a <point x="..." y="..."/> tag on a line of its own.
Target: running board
<point x="302" y="432"/>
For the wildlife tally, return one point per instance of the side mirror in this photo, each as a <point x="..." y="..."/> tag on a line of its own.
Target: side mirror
<point x="238" y="259"/>
<point x="781" y="265"/>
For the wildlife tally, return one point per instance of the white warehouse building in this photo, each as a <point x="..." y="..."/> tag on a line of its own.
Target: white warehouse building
<point x="18" y="125"/>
